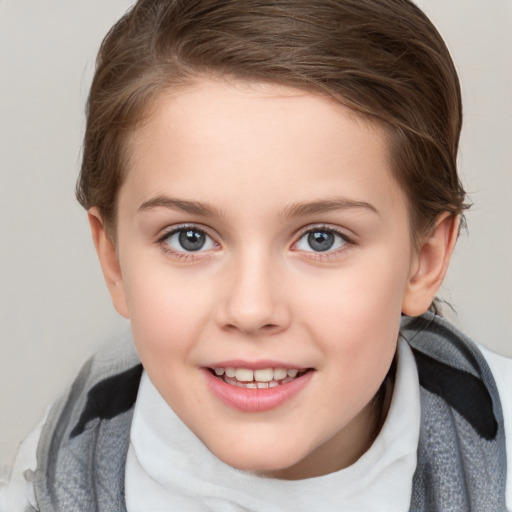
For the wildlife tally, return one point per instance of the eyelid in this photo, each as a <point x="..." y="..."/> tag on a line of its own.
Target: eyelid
<point x="166" y="232"/>
<point x="325" y="227"/>
<point x="349" y="240"/>
<point x="169" y="231"/>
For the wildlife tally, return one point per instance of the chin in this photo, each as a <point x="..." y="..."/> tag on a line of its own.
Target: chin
<point x="267" y="461"/>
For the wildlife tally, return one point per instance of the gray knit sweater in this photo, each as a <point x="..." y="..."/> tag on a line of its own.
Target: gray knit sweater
<point x="461" y="453"/>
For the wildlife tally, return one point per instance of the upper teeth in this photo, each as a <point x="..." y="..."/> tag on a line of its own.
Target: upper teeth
<point x="262" y="375"/>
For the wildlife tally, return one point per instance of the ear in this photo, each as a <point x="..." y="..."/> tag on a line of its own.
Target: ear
<point x="109" y="261"/>
<point x="430" y="265"/>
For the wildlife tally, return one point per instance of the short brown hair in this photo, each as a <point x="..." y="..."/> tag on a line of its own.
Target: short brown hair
<point x="382" y="58"/>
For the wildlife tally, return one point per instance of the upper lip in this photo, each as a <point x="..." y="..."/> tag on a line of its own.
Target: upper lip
<point x="255" y="365"/>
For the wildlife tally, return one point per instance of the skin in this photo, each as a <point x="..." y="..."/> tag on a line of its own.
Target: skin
<point x="267" y="163"/>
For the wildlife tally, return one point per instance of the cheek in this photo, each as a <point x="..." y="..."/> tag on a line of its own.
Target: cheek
<point x="167" y="308"/>
<point x="355" y="314"/>
<point x="355" y="295"/>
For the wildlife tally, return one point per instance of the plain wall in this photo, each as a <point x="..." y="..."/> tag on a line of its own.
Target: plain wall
<point x="54" y="307"/>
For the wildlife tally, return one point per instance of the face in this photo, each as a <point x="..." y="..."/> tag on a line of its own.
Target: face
<point x="265" y="254"/>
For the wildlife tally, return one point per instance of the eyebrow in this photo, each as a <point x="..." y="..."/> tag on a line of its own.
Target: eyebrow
<point x="298" y="209"/>
<point x="311" y="207"/>
<point x="191" y="207"/>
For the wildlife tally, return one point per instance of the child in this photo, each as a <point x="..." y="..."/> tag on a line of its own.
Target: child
<point x="273" y="196"/>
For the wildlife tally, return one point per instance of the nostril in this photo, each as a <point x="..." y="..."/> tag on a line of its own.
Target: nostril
<point x="264" y="329"/>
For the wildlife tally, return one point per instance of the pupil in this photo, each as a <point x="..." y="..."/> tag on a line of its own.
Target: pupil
<point x="320" y="240"/>
<point x="191" y="240"/>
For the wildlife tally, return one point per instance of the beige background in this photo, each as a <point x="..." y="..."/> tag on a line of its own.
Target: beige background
<point x="54" y="308"/>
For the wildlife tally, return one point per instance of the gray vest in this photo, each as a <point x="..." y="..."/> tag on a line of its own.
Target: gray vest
<point x="461" y="453"/>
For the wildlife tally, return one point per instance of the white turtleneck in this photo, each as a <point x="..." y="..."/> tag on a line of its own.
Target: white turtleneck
<point x="169" y="468"/>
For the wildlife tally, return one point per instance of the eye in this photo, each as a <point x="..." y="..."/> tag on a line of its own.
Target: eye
<point x="188" y="239"/>
<point x="321" y="240"/>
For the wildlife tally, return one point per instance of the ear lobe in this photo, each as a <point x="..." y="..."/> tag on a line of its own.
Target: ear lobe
<point x="431" y="265"/>
<point x="109" y="261"/>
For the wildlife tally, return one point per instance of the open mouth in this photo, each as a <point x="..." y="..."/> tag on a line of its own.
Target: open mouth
<point x="257" y="379"/>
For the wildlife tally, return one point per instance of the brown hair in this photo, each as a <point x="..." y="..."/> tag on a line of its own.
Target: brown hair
<point x="382" y="58"/>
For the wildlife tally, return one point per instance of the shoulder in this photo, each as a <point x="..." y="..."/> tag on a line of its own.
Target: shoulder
<point x="476" y="384"/>
<point x="18" y="492"/>
<point x="105" y="389"/>
<point x="501" y="368"/>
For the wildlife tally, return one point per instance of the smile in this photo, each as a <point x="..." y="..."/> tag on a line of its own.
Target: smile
<point x="257" y="379"/>
<point x="256" y="390"/>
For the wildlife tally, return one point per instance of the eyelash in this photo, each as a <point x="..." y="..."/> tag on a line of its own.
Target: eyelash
<point x="183" y="255"/>
<point x="327" y="255"/>
<point x="312" y="254"/>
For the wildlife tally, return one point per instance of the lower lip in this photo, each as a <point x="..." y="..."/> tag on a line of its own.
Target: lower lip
<point x="255" y="400"/>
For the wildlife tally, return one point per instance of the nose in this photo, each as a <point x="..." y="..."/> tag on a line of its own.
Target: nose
<point x="254" y="300"/>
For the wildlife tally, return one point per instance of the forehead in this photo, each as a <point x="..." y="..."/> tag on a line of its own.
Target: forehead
<point x="218" y="137"/>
